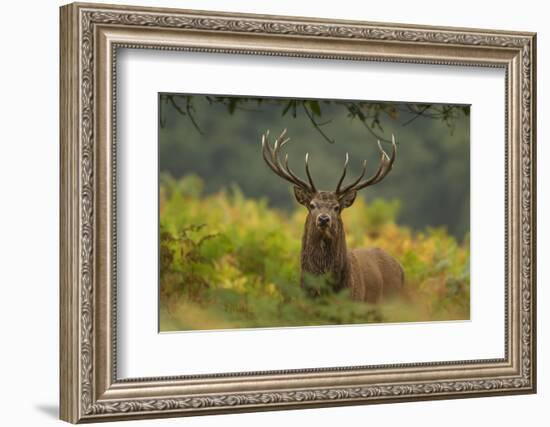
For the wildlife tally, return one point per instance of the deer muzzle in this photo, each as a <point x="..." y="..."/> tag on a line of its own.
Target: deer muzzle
<point x="323" y="220"/>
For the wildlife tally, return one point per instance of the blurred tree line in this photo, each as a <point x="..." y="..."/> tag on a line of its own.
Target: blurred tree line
<point x="218" y="139"/>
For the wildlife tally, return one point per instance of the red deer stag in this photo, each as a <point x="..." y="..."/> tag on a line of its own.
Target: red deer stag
<point x="369" y="273"/>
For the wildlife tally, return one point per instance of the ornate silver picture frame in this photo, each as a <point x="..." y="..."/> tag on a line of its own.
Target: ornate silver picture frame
<point x="91" y="35"/>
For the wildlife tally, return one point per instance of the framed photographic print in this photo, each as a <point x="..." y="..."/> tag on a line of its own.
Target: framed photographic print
<point x="264" y="212"/>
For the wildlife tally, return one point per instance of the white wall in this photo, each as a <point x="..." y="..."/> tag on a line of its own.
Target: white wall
<point x="29" y="170"/>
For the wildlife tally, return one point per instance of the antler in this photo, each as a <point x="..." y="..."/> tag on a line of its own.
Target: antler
<point x="271" y="157"/>
<point x="386" y="163"/>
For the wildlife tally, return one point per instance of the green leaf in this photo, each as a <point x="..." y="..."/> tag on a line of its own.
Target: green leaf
<point x="287" y="106"/>
<point x="314" y="107"/>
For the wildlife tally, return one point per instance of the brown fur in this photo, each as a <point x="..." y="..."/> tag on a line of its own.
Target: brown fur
<point x="370" y="274"/>
<point x="375" y="275"/>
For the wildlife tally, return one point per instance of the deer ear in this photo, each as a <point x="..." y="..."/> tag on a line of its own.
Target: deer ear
<point x="347" y="199"/>
<point x="302" y="196"/>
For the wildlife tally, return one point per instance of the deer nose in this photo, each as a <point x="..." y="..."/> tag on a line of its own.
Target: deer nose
<point x="323" y="219"/>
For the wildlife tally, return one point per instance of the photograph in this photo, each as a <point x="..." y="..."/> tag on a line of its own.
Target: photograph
<point x="287" y="212"/>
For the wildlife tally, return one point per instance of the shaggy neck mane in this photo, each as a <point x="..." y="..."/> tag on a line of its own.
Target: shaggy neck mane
<point x="325" y="252"/>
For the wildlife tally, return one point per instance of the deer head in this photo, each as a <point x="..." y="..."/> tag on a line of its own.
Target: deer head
<point x="324" y="207"/>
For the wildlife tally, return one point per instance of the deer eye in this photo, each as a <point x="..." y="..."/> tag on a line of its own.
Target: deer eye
<point x="336" y="208"/>
<point x="312" y="205"/>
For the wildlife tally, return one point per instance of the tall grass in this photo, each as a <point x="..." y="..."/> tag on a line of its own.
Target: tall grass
<point x="231" y="262"/>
